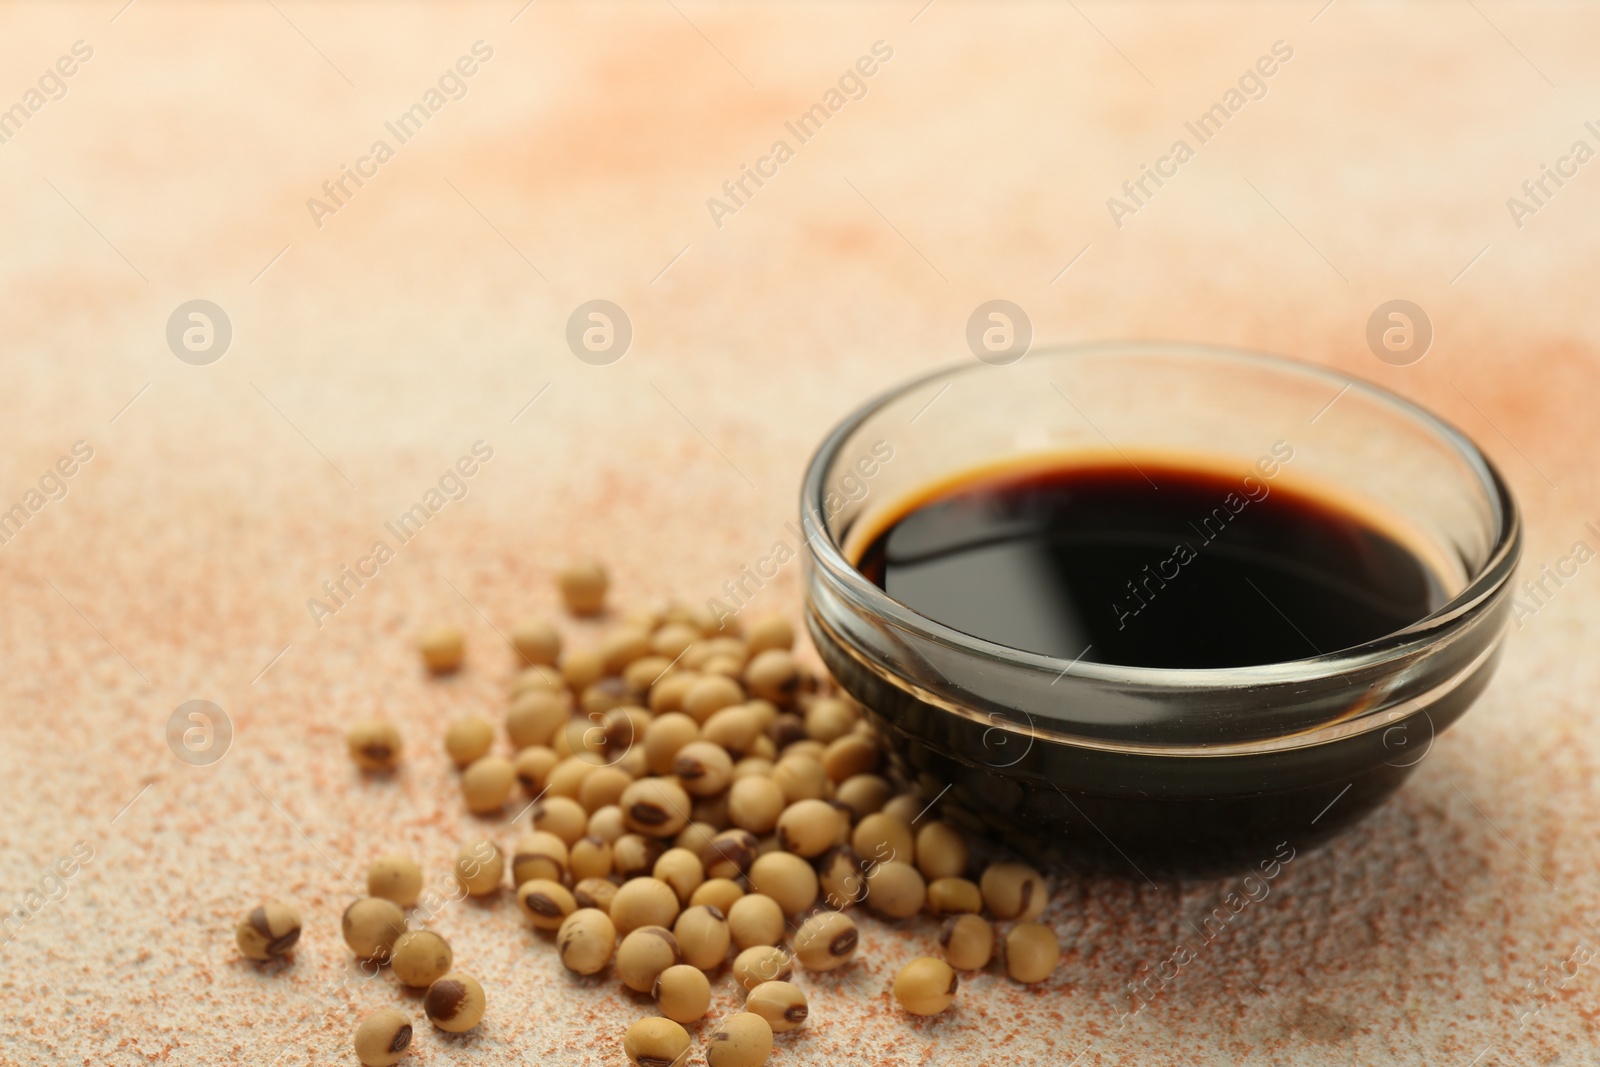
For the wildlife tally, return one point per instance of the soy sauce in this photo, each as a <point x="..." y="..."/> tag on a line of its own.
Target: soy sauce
<point x="1163" y="564"/>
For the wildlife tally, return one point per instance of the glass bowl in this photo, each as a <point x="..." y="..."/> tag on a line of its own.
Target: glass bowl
<point x="1143" y="770"/>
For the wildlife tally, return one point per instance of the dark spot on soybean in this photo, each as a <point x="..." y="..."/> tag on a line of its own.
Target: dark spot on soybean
<point x="444" y="1000"/>
<point x="844" y="944"/>
<point x="786" y="729"/>
<point x="648" y="813"/>
<point x="955" y="980"/>
<point x="721" y="1035"/>
<point x="402" y="1039"/>
<point x="1027" y="896"/>
<point x="796" y="1014"/>
<point x="283" y="944"/>
<point x="259" y="923"/>
<point x="654" y="1061"/>
<point x="541" y="904"/>
<point x="716" y="912"/>
<point x="664" y="934"/>
<point x="688" y="768"/>
<point x="378" y="753"/>
<point x="947" y="933"/>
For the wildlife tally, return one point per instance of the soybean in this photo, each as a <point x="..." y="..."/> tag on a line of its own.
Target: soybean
<point x="743" y="1039"/>
<point x="787" y="879"/>
<point x="536" y="642"/>
<point x="808" y="827"/>
<point x="561" y="816"/>
<point x="735" y="728"/>
<point x="383" y="1037"/>
<point x="545" y="903"/>
<point x="849" y="756"/>
<point x="454" y="1003"/>
<point x="703" y="767"/>
<point x="643" y="673"/>
<point x="755" y="920"/>
<point x="730" y="853"/>
<point x="671" y="639"/>
<point x="968" y="942"/>
<point x="681" y="870"/>
<point x="532" y="767"/>
<point x="539" y="855"/>
<point x="863" y="794"/>
<point x="703" y="937"/>
<point x="655" y="806"/>
<point x="420" y="957"/>
<point x="695" y="837"/>
<point x="896" y="890"/>
<point x="711" y="693"/>
<point x="926" y="986"/>
<point x="541" y="678"/>
<point x="941" y="851"/>
<point x="953" y="896"/>
<point x="761" y="963"/>
<point x="1031" y="951"/>
<point x="1013" y="891"/>
<point x="643" y="902"/>
<point x="603" y="787"/>
<point x="656" y="1043"/>
<point x="479" y="867"/>
<point x="623" y="646"/>
<point x="270" y="930"/>
<point x="581" y="668"/>
<point x="644" y="954"/>
<point x="667" y="695"/>
<point x="606" y="824"/>
<point x="595" y="893"/>
<point x="827" y="719"/>
<point x="755" y="803"/>
<point x="443" y="648"/>
<point x="906" y="807"/>
<point x="486" y="784"/>
<point x="665" y="737"/>
<point x="826" y="941"/>
<point x="773" y="675"/>
<point x="720" y="893"/>
<point x="535" y="716"/>
<point x="683" y="993"/>
<point x="842" y="878"/>
<point x="585" y="941"/>
<point x="468" y="738"/>
<point x="590" y="857"/>
<point x="801" y="777"/>
<point x="782" y="1004"/>
<point x="396" y="878"/>
<point x="770" y="631"/>
<point x="635" y="854"/>
<point x="881" y="838"/>
<point x="374" y="745"/>
<point x="583" y="587"/>
<point x="371" y="925"/>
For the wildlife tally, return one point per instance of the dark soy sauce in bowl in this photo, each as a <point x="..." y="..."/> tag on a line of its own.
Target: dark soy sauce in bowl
<point x="1220" y="640"/>
<point x="1163" y="564"/>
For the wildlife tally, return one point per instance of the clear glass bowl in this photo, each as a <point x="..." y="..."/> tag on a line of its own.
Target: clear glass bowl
<point x="1136" y="769"/>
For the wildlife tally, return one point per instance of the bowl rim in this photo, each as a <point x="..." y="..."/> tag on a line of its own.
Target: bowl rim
<point x="1483" y="583"/>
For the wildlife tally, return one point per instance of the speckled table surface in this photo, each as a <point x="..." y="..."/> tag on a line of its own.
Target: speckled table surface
<point x="378" y="333"/>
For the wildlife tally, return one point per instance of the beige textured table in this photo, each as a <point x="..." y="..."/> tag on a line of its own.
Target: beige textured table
<point x="377" y="337"/>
